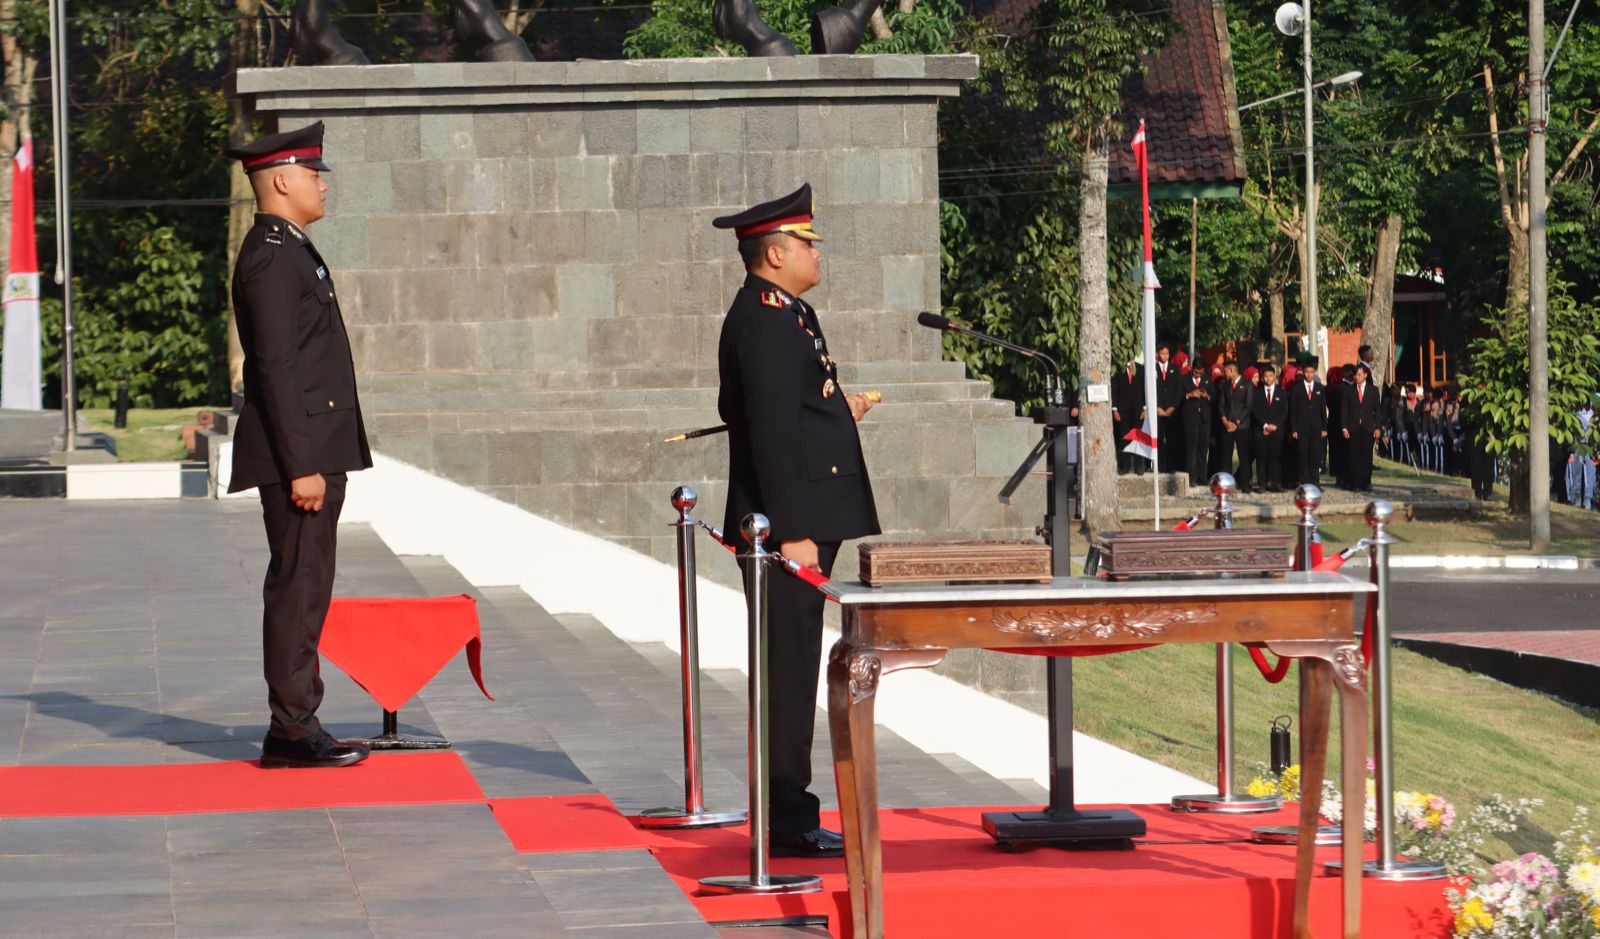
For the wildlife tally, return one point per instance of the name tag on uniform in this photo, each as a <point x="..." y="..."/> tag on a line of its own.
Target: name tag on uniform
<point x="322" y="273"/>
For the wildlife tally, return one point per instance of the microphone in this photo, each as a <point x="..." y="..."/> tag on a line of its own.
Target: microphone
<point x="1052" y="377"/>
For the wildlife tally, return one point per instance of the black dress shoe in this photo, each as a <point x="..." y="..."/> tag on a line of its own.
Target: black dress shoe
<point x="317" y="750"/>
<point x="819" y="842"/>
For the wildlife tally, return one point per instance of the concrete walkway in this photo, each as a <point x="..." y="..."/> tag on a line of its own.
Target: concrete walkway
<point x="27" y="436"/>
<point x="129" y="635"/>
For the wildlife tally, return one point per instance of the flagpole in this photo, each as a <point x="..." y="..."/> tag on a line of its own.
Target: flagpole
<point x="1148" y="326"/>
<point x="58" y="107"/>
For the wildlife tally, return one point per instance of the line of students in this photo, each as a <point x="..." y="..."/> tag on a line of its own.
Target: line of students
<point x="1271" y="435"/>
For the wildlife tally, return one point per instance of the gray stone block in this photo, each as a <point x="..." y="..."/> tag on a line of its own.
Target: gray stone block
<point x="583" y="182"/>
<point x="643" y="289"/>
<point x="503" y="239"/>
<point x="377" y="298"/>
<point x="923" y="505"/>
<point x="444" y="241"/>
<point x="897" y="229"/>
<point x="635" y="342"/>
<point x="391" y="136"/>
<point x="771" y="127"/>
<point x="716" y="127"/>
<point x="473" y="185"/>
<point x="823" y="125"/>
<point x="502" y="132"/>
<point x="513" y="458"/>
<point x="531" y="292"/>
<point x="586" y="291"/>
<point x="342" y="241"/>
<point x="610" y="129"/>
<point x="446" y="135"/>
<point x="530" y="185"/>
<point x="639" y="182"/>
<point x="904" y="280"/>
<point x="611" y="237"/>
<point x="702" y="181"/>
<point x="730" y="180"/>
<point x="877" y="125"/>
<point x="560" y="344"/>
<point x="663" y="234"/>
<point x="558" y="237"/>
<point x="416" y="187"/>
<point x="506" y="345"/>
<point x="567" y="457"/>
<point x="854" y="176"/>
<point x="853" y="283"/>
<point x="396" y="348"/>
<point x="452" y="346"/>
<point x="556" y="132"/>
<point x="664" y="129"/>
<point x="699" y="289"/>
<point x="900" y="175"/>
<point x="462" y="457"/>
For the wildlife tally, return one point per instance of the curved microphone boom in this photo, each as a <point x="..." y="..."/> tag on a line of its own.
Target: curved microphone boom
<point x="1053" y="382"/>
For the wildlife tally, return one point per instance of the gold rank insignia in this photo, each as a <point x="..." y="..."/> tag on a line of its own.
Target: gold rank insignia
<point x="773" y="298"/>
<point x="828" y="388"/>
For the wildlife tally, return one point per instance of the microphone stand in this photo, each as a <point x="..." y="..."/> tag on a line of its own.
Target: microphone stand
<point x="1059" y="823"/>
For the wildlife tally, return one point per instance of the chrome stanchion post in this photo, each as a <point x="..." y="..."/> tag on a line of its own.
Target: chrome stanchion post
<point x="756" y="528"/>
<point x="1307" y="499"/>
<point x="1379" y="513"/>
<point x="693" y="813"/>
<point x="1225" y="800"/>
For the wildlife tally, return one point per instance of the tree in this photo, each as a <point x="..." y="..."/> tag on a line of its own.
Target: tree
<point x="246" y="50"/>
<point x="1496" y="387"/>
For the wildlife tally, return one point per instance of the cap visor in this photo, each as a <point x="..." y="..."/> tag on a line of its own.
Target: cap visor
<point x="805" y="235"/>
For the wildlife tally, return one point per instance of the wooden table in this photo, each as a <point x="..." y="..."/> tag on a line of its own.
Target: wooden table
<point x="1311" y="617"/>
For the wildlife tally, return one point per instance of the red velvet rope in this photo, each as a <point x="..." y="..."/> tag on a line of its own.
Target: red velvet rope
<point x="814" y="578"/>
<point x="1275" y="673"/>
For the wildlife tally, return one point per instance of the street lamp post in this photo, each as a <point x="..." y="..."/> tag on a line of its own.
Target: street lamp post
<point x="1294" y="19"/>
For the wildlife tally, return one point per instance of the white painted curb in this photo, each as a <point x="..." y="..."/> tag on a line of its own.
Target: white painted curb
<point x="493" y="543"/>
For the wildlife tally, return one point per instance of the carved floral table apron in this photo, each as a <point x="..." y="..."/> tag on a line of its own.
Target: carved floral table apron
<point x="1311" y="617"/>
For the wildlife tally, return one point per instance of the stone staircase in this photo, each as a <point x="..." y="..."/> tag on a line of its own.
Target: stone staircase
<point x="587" y="449"/>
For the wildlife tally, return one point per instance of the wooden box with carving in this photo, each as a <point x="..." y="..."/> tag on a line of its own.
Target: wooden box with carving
<point x="907" y="562"/>
<point x="1126" y="554"/>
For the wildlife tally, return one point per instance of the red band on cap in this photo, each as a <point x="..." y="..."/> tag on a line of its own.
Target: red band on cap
<point x="762" y="228"/>
<point x="297" y="154"/>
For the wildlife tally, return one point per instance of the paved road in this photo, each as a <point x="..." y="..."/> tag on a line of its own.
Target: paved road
<point x="1498" y="601"/>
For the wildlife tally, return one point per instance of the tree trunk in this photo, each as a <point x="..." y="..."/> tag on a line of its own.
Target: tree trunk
<point x="1275" y="325"/>
<point x="1517" y="494"/>
<point x="1098" y="448"/>
<point x="246" y="52"/>
<point x="1377" y="326"/>
<point x="1516" y="269"/>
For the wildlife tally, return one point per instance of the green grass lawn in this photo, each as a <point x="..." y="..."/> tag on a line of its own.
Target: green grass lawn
<point x="1457" y="734"/>
<point x="153" y="435"/>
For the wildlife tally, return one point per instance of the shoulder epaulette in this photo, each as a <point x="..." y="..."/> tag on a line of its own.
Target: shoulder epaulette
<point x="274" y="235"/>
<point x="773" y="298"/>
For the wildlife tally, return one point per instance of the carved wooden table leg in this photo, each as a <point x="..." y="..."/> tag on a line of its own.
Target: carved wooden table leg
<point x="1349" y="673"/>
<point x="852" y="692"/>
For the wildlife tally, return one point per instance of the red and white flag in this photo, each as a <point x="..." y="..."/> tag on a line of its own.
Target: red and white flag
<point x="21" y="378"/>
<point x="1143" y="440"/>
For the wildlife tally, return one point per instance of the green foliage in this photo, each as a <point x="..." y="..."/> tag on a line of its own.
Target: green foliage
<point x="1496" y="388"/>
<point x="146" y="315"/>
<point x="682" y="28"/>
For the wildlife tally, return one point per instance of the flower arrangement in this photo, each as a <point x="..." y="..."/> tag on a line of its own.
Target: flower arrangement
<point x="1535" y="897"/>
<point x="1267" y="783"/>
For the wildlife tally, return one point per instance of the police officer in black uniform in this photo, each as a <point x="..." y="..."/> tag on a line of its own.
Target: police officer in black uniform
<point x="299" y="433"/>
<point x="794" y="456"/>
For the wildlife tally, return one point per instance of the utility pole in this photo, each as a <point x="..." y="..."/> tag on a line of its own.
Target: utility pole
<point x="58" y="107"/>
<point x="1311" y="314"/>
<point x="1538" y="292"/>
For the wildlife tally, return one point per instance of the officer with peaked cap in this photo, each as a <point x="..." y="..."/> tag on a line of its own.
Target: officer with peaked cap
<point x="794" y="456"/>
<point x="300" y="431"/>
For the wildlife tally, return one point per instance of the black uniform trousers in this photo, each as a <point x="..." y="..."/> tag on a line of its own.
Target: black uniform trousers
<point x="794" y="659"/>
<point x="298" y="589"/>
<point x="1241" y="443"/>
<point x="1269" y="457"/>
<point x="1308" y="457"/>
<point x="1196" y="441"/>
<point x="1358" y="461"/>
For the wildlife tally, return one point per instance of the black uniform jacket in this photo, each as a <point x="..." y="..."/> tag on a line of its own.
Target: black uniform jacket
<point x="300" y="413"/>
<point x="1127" y="394"/>
<point x="1276" y="413"/>
<point x="1235" y="402"/>
<point x="793" y="454"/>
<point x="1359" y="416"/>
<point x="1196" y="410"/>
<point x="1308" y="414"/>
<point x="1169" y="390"/>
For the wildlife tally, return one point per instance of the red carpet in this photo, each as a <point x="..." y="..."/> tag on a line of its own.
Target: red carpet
<point x="565" y="823"/>
<point x="238" y="786"/>
<point x="945" y="878"/>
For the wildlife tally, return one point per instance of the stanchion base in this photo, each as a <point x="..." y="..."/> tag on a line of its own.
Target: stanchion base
<point x="679" y="818"/>
<point x="772" y="883"/>
<point x="1399" y="870"/>
<point x="1098" y="828"/>
<point x="1290" y="834"/>
<point x="1231" y="803"/>
<point x="397" y="742"/>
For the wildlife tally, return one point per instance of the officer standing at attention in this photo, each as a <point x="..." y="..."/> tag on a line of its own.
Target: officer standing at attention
<point x="299" y="433"/>
<point x="794" y="456"/>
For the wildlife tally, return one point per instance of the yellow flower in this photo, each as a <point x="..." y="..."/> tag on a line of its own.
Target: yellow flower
<point x="1260" y="788"/>
<point x="1289" y="782"/>
<point x="1594" y="914"/>
<point x="1473" y="916"/>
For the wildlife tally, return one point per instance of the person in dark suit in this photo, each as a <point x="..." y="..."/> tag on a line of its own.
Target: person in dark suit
<point x="1362" y="428"/>
<point x="794" y="456"/>
<point x="1338" y="380"/>
<point x="1196" y="414"/>
<point x="1308" y="422"/>
<point x="1269" y="412"/>
<point x="1127" y="413"/>
<point x="1235" y="406"/>
<point x="300" y="431"/>
<point x="1169" y="454"/>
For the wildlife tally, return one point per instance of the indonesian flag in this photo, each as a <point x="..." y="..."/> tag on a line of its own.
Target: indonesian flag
<point x="1142" y="440"/>
<point x="21" y="376"/>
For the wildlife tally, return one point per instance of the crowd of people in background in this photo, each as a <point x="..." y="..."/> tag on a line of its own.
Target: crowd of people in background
<point x="1276" y="429"/>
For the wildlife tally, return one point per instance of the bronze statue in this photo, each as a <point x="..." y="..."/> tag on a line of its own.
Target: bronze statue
<point x="316" y="42"/>
<point x="838" y="30"/>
